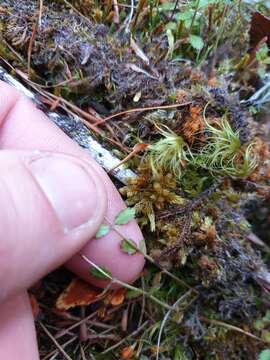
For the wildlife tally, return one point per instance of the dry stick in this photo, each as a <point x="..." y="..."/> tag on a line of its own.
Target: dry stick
<point x="231" y="327"/>
<point x="184" y="234"/>
<point x="59" y="347"/>
<point x="134" y="333"/>
<point x="76" y="11"/>
<point x="40" y="12"/>
<point x="193" y="203"/>
<point x="125" y="285"/>
<point x="175" y="305"/>
<point x="100" y="122"/>
<point x="188" y="210"/>
<point x="116" y="18"/>
<point x="56" y="352"/>
<point x="76" y="325"/>
<point x="82" y="353"/>
<point x="30" y="47"/>
<point x="76" y="109"/>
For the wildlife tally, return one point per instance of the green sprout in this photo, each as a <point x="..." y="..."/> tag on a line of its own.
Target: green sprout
<point x="171" y="153"/>
<point x="224" y="154"/>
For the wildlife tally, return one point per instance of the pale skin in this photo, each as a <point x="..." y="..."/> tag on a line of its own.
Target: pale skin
<point x="53" y="198"/>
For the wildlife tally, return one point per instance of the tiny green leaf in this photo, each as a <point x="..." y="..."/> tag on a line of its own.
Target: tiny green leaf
<point x="184" y="15"/>
<point x="128" y="246"/>
<point x="142" y="246"/>
<point x="170" y="39"/>
<point x="102" y="273"/>
<point x="166" y="6"/>
<point x="265" y="355"/>
<point x="124" y="216"/>
<point x="196" y="42"/>
<point x="132" y="294"/>
<point x="102" y="231"/>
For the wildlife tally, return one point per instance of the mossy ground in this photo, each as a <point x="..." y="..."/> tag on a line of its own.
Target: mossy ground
<point x="203" y="178"/>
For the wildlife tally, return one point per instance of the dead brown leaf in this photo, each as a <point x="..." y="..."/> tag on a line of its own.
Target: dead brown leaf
<point x="118" y="297"/>
<point x="78" y="293"/>
<point x="127" y="353"/>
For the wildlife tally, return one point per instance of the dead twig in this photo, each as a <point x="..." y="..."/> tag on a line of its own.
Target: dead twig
<point x="30" y="47"/>
<point x="116" y="18"/>
<point x="172" y="106"/>
<point x="59" y="347"/>
<point x="40" y="12"/>
<point x="230" y="327"/>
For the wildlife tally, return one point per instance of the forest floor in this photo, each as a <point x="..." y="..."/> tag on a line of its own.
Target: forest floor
<point x="173" y="90"/>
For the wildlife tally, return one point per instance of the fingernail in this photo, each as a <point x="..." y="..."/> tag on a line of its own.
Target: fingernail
<point x="68" y="187"/>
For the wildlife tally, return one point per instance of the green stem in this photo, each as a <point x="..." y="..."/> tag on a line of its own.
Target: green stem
<point x="127" y="286"/>
<point x="194" y="16"/>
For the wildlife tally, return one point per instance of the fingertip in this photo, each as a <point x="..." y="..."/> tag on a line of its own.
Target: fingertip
<point x="9" y="96"/>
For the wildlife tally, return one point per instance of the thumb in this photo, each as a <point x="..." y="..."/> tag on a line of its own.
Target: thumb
<point x="50" y="205"/>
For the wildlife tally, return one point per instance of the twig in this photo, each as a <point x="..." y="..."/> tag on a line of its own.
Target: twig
<point x="40" y="12"/>
<point x="174" y="9"/>
<point x="130" y="16"/>
<point x="30" y="47"/>
<point x="175" y="305"/>
<point x="64" y="332"/>
<point x="134" y="333"/>
<point x="76" y="10"/>
<point x="184" y="234"/>
<point x="151" y="260"/>
<point x="56" y="352"/>
<point x="116" y="18"/>
<point x="100" y="122"/>
<point x="59" y="347"/>
<point x="194" y="202"/>
<point x="125" y="285"/>
<point x="188" y="211"/>
<point x="230" y="327"/>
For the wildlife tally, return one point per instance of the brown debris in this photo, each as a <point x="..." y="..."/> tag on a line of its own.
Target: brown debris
<point x="78" y="293"/>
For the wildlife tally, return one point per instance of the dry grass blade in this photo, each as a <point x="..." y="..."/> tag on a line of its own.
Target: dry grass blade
<point x="175" y="305"/>
<point x="59" y="347"/>
<point x="30" y="47"/>
<point x="231" y="327"/>
<point x="134" y="333"/>
<point x="173" y="106"/>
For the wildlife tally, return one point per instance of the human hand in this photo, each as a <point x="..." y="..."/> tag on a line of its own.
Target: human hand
<point x="53" y="199"/>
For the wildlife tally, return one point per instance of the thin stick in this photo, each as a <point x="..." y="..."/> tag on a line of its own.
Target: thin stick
<point x="134" y="333"/>
<point x="100" y="122"/>
<point x="116" y="18"/>
<point x="125" y="285"/>
<point x="230" y="327"/>
<point x="175" y="305"/>
<point x="40" y="12"/>
<point x="130" y="16"/>
<point x="59" y="347"/>
<point x="56" y="352"/>
<point x="30" y="48"/>
<point x="66" y="331"/>
<point x="150" y="259"/>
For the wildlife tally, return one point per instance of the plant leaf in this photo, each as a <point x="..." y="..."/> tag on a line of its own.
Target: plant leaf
<point x="196" y="42"/>
<point x="128" y="246"/>
<point x="102" y="231"/>
<point x="132" y="294"/>
<point x="124" y="216"/>
<point x="102" y="273"/>
<point x="142" y="246"/>
<point x="265" y="355"/>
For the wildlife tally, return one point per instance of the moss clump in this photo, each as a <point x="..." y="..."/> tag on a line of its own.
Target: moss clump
<point x="150" y="192"/>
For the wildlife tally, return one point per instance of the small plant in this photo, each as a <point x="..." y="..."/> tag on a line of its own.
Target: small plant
<point x="224" y="154"/>
<point x="171" y="153"/>
<point x="150" y="192"/>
